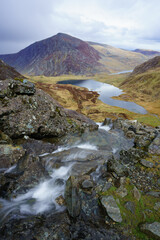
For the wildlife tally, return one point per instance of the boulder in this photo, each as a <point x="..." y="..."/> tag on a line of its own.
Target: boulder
<point x="154" y="147"/>
<point x="151" y="229"/>
<point x="113" y="211"/>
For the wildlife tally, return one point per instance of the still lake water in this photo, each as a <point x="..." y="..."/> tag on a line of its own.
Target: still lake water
<point x="107" y="91"/>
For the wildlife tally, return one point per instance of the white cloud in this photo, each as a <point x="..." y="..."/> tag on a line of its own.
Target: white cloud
<point x="122" y="23"/>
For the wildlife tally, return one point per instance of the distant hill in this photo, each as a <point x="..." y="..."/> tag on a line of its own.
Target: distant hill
<point x="149" y="53"/>
<point x="60" y="54"/>
<point x="7" y="72"/>
<point x="144" y="81"/>
<point x="64" y="54"/>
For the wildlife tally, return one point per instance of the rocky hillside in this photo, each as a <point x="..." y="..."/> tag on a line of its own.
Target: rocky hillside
<point x="60" y="54"/>
<point x="7" y="71"/>
<point x="153" y="63"/>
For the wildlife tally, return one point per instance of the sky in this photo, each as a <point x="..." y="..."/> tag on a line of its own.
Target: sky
<point x="127" y="24"/>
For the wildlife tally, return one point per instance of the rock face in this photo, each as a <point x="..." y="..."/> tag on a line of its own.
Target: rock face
<point x="60" y="54"/>
<point x="151" y="229"/>
<point x="27" y="111"/>
<point x="154" y="147"/>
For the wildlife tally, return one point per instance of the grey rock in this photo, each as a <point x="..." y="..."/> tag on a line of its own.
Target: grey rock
<point x="130" y="134"/>
<point x="151" y="229"/>
<point x="136" y="194"/>
<point x="154" y="147"/>
<point x="107" y="186"/>
<point x="87" y="184"/>
<point x="130" y="206"/>
<point x="122" y="191"/>
<point x="113" y="211"/>
<point x="107" y="121"/>
<point x="154" y="194"/>
<point x="146" y="163"/>
<point x="72" y="198"/>
<point x="113" y="165"/>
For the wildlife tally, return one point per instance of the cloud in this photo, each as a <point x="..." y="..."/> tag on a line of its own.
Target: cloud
<point x="122" y="23"/>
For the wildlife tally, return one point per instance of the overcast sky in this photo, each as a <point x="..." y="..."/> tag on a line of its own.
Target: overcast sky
<point x="126" y="24"/>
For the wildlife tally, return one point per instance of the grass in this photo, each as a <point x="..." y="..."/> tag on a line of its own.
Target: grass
<point x="131" y="221"/>
<point x="78" y="99"/>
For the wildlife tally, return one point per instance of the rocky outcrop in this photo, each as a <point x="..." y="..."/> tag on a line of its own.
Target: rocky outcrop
<point x="25" y="110"/>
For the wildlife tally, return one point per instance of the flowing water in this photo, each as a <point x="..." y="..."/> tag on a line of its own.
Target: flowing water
<point x="91" y="149"/>
<point x="106" y="92"/>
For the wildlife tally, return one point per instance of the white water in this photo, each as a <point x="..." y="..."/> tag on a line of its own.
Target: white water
<point x="104" y="127"/>
<point x="42" y="198"/>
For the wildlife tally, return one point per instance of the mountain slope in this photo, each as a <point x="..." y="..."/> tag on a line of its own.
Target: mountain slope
<point x="60" y="54"/>
<point x="116" y="59"/>
<point x="7" y="72"/>
<point x="145" y="80"/>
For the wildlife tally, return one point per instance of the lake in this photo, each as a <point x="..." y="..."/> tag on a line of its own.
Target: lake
<point x="107" y="91"/>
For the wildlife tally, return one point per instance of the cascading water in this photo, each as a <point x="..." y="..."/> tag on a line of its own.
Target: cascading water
<point x="87" y="150"/>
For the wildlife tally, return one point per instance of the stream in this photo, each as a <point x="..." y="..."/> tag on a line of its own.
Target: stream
<point x="107" y="91"/>
<point x="90" y="149"/>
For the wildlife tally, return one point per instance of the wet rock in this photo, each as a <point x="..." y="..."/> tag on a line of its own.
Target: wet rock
<point x="115" y="166"/>
<point x="37" y="147"/>
<point x="130" y="206"/>
<point x="72" y="199"/>
<point x="146" y="163"/>
<point x="10" y="155"/>
<point x="154" y="147"/>
<point x="136" y="194"/>
<point x="109" y="203"/>
<point x="86" y="184"/>
<point x="107" y="121"/>
<point x="151" y="229"/>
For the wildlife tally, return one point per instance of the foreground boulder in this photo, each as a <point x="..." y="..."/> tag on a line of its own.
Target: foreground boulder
<point x="151" y="229"/>
<point x="25" y="110"/>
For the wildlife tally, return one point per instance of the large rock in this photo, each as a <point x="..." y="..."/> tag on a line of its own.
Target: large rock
<point x="72" y="197"/>
<point x="113" y="211"/>
<point x="154" y="147"/>
<point x="27" y="111"/>
<point x="151" y="229"/>
<point x="114" y="166"/>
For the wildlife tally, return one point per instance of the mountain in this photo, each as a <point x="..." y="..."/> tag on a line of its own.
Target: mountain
<point x="146" y="52"/>
<point x="60" y="54"/>
<point x="7" y="71"/>
<point x="64" y="54"/>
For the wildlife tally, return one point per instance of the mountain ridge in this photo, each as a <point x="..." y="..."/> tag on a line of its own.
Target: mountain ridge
<point x="65" y="54"/>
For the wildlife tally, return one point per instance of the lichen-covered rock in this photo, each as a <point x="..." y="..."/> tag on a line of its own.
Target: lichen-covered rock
<point x="10" y="155"/>
<point x="151" y="229"/>
<point x="26" y="112"/>
<point x="113" y="211"/>
<point x="146" y="163"/>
